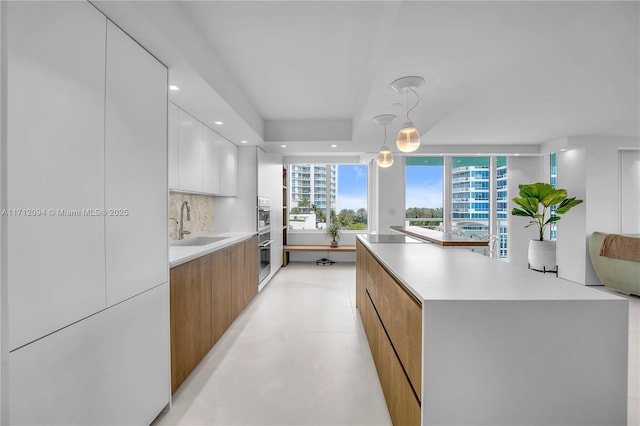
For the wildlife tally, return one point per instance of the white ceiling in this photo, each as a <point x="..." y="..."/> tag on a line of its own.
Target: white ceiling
<point x="314" y="73"/>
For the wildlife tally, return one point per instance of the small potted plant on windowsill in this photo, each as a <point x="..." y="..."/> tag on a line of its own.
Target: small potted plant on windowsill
<point x="333" y="232"/>
<point x="535" y="201"/>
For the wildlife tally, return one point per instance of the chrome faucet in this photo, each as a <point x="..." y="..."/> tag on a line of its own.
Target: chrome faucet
<point x="181" y="231"/>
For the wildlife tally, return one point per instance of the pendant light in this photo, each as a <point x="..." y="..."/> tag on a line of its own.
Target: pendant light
<point x="385" y="156"/>
<point x="408" y="139"/>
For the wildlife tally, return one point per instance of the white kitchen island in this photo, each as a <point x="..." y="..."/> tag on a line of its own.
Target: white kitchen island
<point x="503" y="345"/>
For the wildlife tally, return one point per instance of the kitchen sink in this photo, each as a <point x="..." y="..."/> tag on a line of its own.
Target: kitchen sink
<point x="196" y="241"/>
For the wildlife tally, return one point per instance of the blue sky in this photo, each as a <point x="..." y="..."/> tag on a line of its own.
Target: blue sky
<point x="352" y="186"/>
<point x="423" y="189"/>
<point x="424" y="186"/>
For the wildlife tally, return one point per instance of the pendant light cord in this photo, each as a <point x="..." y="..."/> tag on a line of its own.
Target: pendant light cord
<point x="414" y="105"/>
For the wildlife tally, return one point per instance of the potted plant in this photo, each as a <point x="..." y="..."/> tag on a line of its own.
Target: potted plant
<point x="535" y="201"/>
<point x="333" y="232"/>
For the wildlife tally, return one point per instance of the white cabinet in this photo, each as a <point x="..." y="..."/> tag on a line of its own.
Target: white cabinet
<point x="135" y="168"/>
<point x="200" y="160"/>
<point x="211" y="150"/>
<point x="189" y="153"/>
<point x="172" y="128"/>
<point x="228" y="169"/>
<point x="86" y="134"/>
<point x="56" y="78"/>
<point x="264" y="178"/>
<point x="110" y="369"/>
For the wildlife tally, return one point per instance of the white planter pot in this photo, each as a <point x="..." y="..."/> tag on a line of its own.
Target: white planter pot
<point x="542" y="255"/>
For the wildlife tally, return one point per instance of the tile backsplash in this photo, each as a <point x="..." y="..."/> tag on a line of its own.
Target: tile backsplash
<point x="201" y="214"/>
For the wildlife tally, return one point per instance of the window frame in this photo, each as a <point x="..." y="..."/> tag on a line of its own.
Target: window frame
<point x="329" y="200"/>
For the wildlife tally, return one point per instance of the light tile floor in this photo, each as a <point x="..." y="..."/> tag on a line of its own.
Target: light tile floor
<point x="298" y="356"/>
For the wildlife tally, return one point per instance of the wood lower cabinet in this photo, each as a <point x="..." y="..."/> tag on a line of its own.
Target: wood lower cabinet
<point x="238" y="300"/>
<point x="252" y="261"/>
<point x="221" y="293"/>
<point x="207" y="295"/>
<point x="392" y="319"/>
<point x="191" y="325"/>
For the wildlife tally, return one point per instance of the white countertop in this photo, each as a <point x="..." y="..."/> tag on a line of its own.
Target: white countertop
<point x="182" y="254"/>
<point x="432" y="273"/>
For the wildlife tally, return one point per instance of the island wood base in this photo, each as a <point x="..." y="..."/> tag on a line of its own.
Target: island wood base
<point x="392" y="319"/>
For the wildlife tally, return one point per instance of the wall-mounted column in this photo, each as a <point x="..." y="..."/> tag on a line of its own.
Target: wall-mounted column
<point x="391" y="195"/>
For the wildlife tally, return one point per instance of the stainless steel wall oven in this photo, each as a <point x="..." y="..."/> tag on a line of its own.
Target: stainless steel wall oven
<point x="264" y="214"/>
<point x="264" y="237"/>
<point x="264" y="254"/>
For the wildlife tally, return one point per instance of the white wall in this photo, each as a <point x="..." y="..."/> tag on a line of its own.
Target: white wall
<point x="570" y="245"/>
<point x="391" y="195"/>
<point x="589" y="170"/>
<point x="4" y="328"/>
<point x="630" y="192"/>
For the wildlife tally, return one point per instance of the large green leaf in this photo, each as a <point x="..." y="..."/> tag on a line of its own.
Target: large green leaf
<point x="555" y="197"/>
<point x="552" y="219"/>
<point x="518" y="212"/>
<point x="537" y="190"/>
<point x="530" y="205"/>
<point x="567" y="205"/>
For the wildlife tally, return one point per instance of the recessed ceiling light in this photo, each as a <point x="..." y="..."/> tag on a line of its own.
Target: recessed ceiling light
<point x="219" y="123"/>
<point x="243" y="141"/>
<point x="283" y="146"/>
<point x="174" y="88"/>
<point x="517" y="155"/>
<point x="563" y="149"/>
<point x="334" y="146"/>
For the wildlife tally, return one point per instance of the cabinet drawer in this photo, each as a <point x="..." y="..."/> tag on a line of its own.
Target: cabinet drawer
<point x="401" y="316"/>
<point x="404" y="408"/>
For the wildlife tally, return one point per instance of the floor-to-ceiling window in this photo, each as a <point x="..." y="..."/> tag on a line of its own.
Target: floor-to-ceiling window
<point x="553" y="179"/>
<point x="470" y="196"/>
<point x="424" y="191"/>
<point x="502" y="208"/>
<point x="324" y="193"/>
<point x="471" y="193"/>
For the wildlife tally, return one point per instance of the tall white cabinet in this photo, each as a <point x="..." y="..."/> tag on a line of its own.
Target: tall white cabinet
<point x="135" y="166"/>
<point x="87" y="245"/>
<point x="56" y="82"/>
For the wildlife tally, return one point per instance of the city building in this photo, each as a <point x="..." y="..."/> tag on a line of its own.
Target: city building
<point x="471" y="199"/>
<point x="309" y="181"/>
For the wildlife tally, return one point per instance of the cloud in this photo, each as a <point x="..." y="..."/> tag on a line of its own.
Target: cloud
<point x="361" y="171"/>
